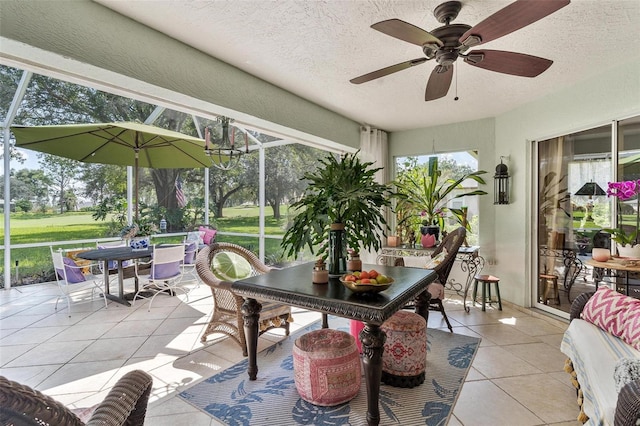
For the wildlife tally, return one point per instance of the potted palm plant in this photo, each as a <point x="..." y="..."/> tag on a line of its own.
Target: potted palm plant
<point x="429" y="194"/>
<point x="342" y="206"/>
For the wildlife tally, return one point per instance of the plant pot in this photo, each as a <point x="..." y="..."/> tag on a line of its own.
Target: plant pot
<point x="140" y="243"/>
<point x="337" y="250"/>
<point x="600" y="254"/>
<point x="431" y="230"/>
<point x="628" y="250"/>
<point x="428" y="240"/>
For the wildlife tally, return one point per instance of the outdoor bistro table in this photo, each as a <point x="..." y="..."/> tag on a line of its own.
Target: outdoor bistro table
<point x="293" y="286"/>
<point x="119" y="255"/>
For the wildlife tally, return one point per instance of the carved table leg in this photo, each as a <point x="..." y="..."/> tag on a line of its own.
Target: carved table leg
<point x="372" y="338"/>
<point x="251" y="314"/>
<point x="422" y="305"/>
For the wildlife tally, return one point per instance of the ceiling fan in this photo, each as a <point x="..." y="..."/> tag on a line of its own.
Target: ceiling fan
<point x="451" y="41"/>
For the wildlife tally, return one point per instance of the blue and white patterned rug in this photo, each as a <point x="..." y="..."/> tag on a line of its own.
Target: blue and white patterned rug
<point x="231" y="398"/>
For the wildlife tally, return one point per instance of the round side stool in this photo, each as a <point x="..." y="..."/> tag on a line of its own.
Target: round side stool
<point x="326" y="366"/>
<point x="404" y="359"/>
<point x="486" y="281"/>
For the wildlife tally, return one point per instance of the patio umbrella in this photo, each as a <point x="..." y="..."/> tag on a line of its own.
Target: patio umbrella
<point x="124" y="144"/>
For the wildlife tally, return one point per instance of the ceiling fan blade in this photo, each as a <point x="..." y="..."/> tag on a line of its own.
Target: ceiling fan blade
<point x="517" y="15"/>
<point x="439" y="82"/>
<point x="508" y="62"/>
<point x="406" y="32"/>
<point x="388" y="70"/>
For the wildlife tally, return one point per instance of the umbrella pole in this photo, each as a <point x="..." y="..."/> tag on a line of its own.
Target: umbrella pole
<point x="137" y="184"/>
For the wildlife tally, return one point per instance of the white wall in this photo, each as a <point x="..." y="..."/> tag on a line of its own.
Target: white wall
<point x="504" y="229"/>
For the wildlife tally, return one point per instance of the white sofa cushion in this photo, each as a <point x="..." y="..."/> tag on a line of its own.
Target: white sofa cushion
<point x="594" y="354"/>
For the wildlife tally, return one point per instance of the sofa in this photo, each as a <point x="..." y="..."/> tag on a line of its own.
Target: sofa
<point x="602" y="344"/>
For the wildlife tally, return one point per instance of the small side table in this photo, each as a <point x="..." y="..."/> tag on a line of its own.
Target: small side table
<point x="486" y="281"/>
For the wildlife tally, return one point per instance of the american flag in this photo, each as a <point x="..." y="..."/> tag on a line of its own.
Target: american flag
<point x="180" y="198"/>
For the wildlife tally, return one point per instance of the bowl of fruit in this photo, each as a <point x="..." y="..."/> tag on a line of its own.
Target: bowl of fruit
<point x="366" y="281"/>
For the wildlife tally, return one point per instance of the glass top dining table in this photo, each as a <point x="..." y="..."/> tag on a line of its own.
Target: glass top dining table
<point x="293" y="286"/>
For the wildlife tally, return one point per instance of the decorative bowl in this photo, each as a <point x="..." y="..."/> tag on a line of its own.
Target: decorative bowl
<point x="365" y="288"/>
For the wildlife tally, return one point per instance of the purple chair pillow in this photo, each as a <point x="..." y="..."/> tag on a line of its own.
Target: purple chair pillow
<point x="190" y="254"/>
<point x="166" y="270"/>
<point x="74" y="275"/>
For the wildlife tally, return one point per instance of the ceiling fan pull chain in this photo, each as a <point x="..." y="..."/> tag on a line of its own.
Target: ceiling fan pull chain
<point x="456" y="98"/>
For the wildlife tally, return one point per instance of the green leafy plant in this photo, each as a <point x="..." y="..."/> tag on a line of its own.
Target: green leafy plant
<point x="344" y="192"/>
<point x="429" y="193"/>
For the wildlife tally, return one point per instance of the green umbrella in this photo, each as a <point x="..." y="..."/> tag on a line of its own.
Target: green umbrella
<point x="124" y="144"/>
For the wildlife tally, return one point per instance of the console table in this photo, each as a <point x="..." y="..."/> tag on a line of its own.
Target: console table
<point x="617" y="269"/>
<point x="465" y="255"/>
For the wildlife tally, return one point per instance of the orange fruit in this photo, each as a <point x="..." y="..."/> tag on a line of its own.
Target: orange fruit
<point x="365" y="281"/>
<point x="364" y="274"/>
<point x="373" y="273"/>
<point x="350" y="278"/>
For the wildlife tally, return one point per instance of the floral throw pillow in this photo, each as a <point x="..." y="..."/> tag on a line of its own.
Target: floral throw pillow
<point x="615" y="313"/>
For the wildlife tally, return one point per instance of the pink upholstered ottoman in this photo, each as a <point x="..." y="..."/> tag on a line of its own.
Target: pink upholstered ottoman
<point x="404" y="358"/>
<point x="326" y="367"/>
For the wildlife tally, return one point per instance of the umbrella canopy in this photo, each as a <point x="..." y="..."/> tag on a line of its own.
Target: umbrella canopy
<point x="124" y="144"/>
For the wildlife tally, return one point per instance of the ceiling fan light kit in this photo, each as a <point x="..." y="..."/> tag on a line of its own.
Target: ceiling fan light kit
<point x="451" y="41"/>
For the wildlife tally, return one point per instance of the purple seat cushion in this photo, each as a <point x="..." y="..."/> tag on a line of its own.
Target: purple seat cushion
<point x="74" y="275"/>
<point x="166" y="270"/>
<point x="190" y="254"/>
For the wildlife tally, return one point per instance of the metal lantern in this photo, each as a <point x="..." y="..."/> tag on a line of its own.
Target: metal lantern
<point x="501" y="184"/>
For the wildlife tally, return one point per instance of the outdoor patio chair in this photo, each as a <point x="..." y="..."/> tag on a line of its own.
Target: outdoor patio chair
<point x="71" y="279"/>
<point x="189" y="262"/>
<point x="449" y="245"/>
<point x="218" y="265"/>
<point x="125" y="404"/>
<point x="165" y="273"/>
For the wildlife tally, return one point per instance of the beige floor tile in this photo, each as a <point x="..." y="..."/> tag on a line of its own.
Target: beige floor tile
<point x="536" y="327"/>
<point x="21" y="321"/>
<point x="159" y="313"/>
<point x="177" y="326"/>
<point x="115" y="313"/>
<point x="503" y="334"/>
<point x="474" y="375"/>
<point x="9" y="353"/>
<point x="540" y="355"/>
<point x="483" y="403"/>
<point x="168" y="406"/>
<point x="453" y="421"/>
<point x="166" y="345"/>
<point x="552" y="340"/>
<point x="31" y="376"/>
<point x="50" y="353"/>
<point x="557" y="403"/>
<point x="83" y="332"/>
<point x="110" y="349"/>
<point x="131" y="329"/>
<point x="80" y="377"/>
<point x="61" y="318"/>
<point x="495" y="361"/>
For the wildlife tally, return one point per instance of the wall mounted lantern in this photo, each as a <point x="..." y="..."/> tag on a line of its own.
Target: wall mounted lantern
<point x="501" y="184"/>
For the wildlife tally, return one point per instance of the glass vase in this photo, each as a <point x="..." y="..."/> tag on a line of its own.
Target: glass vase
<point x="337" y="250"/>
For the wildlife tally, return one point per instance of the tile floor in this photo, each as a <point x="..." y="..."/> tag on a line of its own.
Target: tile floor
<point x="516" y="377"/>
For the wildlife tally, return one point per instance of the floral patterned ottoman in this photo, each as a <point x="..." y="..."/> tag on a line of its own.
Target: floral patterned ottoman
<point x="404" y="358"/>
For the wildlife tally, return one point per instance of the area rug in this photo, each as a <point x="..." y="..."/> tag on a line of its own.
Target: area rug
<point x="231" y="398"/>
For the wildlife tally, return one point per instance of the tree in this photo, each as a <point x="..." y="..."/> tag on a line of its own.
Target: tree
<point x="284" y="166"/>
<point x="61" y="172"/>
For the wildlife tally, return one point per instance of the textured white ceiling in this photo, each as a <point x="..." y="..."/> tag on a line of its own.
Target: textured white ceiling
<point x="313" y="48"/>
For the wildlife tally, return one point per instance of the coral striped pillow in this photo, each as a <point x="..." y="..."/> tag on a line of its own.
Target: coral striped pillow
<point x="615" y="313"/>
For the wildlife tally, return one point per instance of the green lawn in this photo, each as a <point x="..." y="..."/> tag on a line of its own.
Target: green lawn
<point x="35" y="263"/>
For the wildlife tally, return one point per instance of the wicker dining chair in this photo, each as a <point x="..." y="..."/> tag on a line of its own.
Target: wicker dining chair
<point x="125" y="404"/>
<point x="213" y="265"/>
<point x="451" y="243"/>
